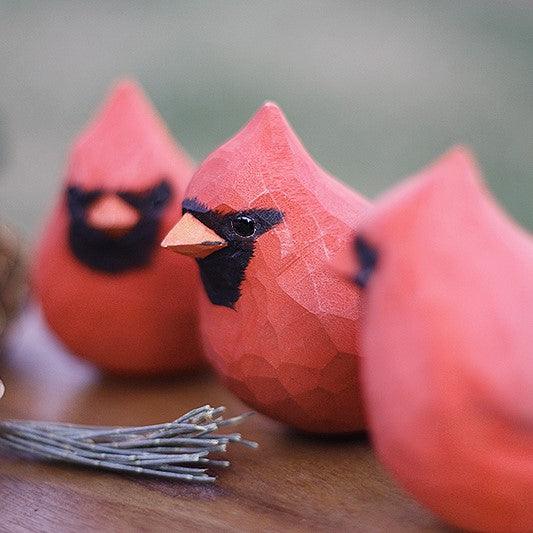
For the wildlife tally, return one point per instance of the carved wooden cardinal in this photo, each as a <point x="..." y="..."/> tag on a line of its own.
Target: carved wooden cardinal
<point x="447" y="346"/>
<point x="105" y="286"/>
<point x="263" y="221"/>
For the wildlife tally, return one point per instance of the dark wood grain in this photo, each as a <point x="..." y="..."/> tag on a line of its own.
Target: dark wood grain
<point x="292" y="482"/>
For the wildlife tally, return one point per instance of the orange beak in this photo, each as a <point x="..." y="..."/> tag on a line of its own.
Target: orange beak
<point x="112" y="215"/>
<point x="190" y="237"/>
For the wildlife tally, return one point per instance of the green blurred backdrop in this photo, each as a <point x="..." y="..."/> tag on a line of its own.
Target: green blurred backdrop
<point x="376" y="89"/>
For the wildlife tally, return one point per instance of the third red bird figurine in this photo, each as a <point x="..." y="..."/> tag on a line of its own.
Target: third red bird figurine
<point x="447" y="345"/>
<point x="263" y="221"/>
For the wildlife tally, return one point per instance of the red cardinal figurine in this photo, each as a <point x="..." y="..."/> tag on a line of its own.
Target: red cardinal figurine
<point x="447" y="346"/>
<point x="263" y="221"/>
<point x="106" y="288"/>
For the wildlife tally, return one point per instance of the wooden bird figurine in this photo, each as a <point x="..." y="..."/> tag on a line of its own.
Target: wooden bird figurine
<point x="13" y="277"/>
<point x="106" y="288"/>
<point x="263" y="221"/>
<point x="446" y="345"/>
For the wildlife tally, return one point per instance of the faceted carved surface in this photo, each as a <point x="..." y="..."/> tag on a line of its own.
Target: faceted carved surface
<point x="288" y="348"/>
<point x="142" y="320"/>
<point x="447" y="345"/>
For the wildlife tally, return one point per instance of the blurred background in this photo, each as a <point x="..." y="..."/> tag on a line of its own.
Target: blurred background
<point x="376" y="89"/>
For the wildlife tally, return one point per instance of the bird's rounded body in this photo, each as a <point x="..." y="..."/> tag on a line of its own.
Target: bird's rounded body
<point x="287" y="348"/>
<point x="120" y="323"/>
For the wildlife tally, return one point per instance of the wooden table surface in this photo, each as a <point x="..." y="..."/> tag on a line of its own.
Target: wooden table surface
<point x="291" y="483"/>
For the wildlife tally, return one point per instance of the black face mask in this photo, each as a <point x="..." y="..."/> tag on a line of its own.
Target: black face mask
<point x="223" y="271"/>
<point x="104" y="253"/>
<point x="368" y="259"/>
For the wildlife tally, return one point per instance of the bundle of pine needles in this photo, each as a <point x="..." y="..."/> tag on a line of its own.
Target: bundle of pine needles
<point x="178" y="450"/>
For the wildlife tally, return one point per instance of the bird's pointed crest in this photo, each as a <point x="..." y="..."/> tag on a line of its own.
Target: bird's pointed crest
<point x="442" y="191"/>
<point x="261" y="165"/>
<point x="127" y="146"/>
<point x="455" y="172"/>
<point x="270" y="129"/>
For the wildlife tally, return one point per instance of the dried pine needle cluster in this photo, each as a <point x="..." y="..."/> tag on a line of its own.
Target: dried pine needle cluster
<point x="177" y="450"/>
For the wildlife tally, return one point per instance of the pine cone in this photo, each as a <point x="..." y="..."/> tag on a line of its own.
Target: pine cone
<point x="12" y="276"/>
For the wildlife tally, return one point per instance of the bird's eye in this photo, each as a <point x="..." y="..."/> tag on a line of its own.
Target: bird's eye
<point x="243" y="225"/>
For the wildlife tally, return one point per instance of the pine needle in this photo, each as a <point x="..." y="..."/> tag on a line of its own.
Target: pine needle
<point x="176" y="450"/>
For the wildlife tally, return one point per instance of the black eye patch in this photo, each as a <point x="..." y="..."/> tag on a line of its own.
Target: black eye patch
<point x="233" y="227"/>
<point x="223" y="271"/>
<point x="367" y="256"/>
<point x="155" y="199"/>
<point x="102" y="252"/>
<point x="78" y="200"/>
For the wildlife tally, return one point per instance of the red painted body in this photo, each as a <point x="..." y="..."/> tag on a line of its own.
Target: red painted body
<point x="142" y="321"/>
<point x="447" y="346"/>
<point x="287" y="348"/>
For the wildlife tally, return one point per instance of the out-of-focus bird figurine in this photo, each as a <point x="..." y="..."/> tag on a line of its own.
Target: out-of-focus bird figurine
<point x="12" y="276"/>
<point x="106" y="288"/>
<point x="446" y="345"/>
<point x="263" y="221"/>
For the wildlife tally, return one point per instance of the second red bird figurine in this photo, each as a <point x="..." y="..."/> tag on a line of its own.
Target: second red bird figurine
<point x="105" y="287"/>
<point x="264" y="221"/>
